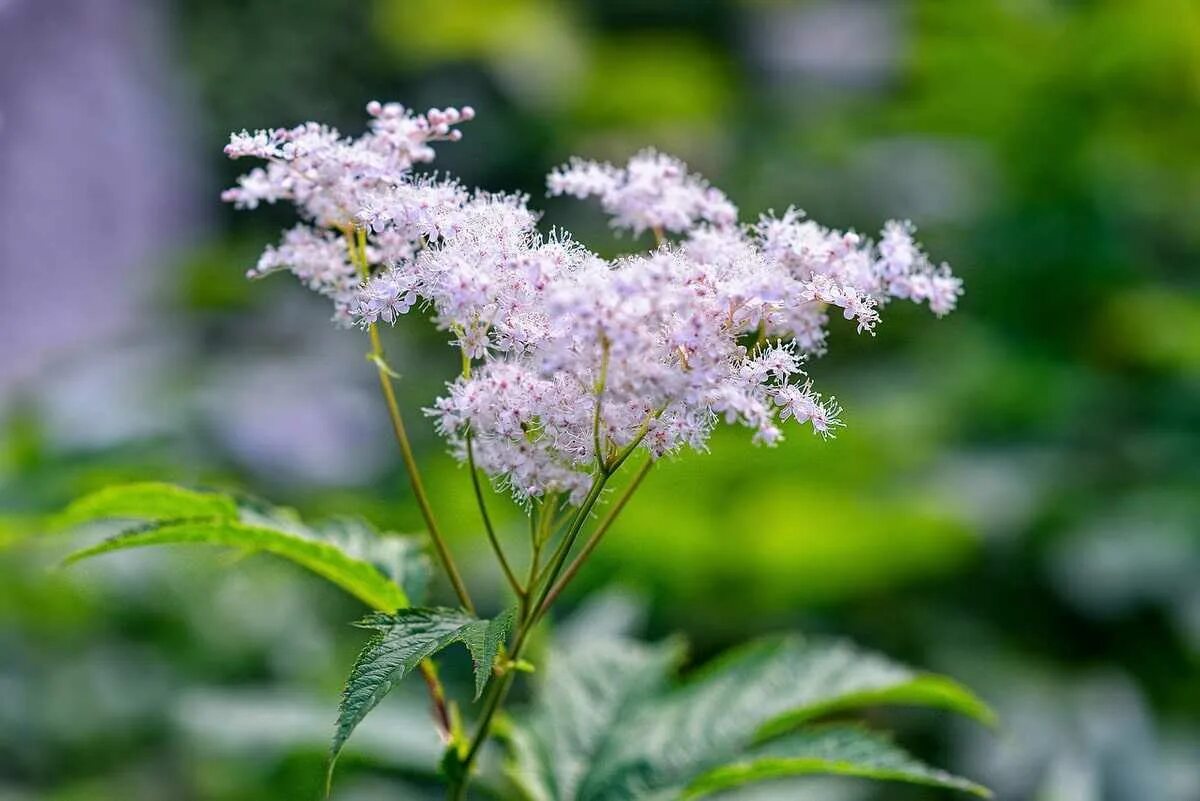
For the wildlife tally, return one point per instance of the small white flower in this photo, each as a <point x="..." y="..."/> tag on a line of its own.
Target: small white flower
<point x="385" y="297"/>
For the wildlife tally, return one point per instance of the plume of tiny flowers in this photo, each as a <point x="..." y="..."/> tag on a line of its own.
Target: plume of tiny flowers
<point x="337" y="182"/>
<point x="652" y="192"/>
<point x="320" y="260"/>
<point x="330" y="177"/>
<point x="572" y="362"/>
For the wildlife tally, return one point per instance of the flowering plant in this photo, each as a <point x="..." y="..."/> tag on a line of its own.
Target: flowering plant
<point x="573" y="367"/>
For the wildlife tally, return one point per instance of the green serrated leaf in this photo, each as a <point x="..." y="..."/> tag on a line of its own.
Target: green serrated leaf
<point x="483" y="639"/>
<point x="922" y="689"/>
<point x="360" y="579"/>
<point x="401" y="559"/>
<point x="584" y="692"/>
<point x="831" y="750"/>
<point x="659" y="745"/>
<point x="150" y="501"/>
<point x="401" y="640"/>
<point x="756" y="692"/>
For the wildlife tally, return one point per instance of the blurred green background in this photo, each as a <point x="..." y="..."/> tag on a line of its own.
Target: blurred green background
<point x="1015" y="499"/>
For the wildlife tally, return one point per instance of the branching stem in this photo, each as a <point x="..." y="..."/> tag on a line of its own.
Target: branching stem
<point x="596" y="536"/>
<point x="357" y="241"/>
<point x="498" y="690"/>
<point x="487" y="522"/>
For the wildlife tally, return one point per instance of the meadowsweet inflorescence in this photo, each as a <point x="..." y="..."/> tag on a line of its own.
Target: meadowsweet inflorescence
<point x="652" y="192"/>
<point x="573" y="361"/>
<point x="333" y="181"/>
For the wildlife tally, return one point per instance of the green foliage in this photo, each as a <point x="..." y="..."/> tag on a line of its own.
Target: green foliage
<point x="608" y="725"/>
<point x="1154" y="328"/>
<point x="401" y="641"/>
<point x="346" y="553"/>
<point x="586" y="690"/>
<point x="673" y="79"/>
<point x="494" y="32"/>
<point x="837" y="750"/>
<point x="999" y="503"/>
<point x="484" y="639"/>
<point x="150" y="501"/>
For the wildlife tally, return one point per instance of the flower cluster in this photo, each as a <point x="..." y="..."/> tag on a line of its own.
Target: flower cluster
<point x="333" y="180"/>
<point x="320" y="260"/>
<point x="652" y="192"/>
<point x="572" y="362"/>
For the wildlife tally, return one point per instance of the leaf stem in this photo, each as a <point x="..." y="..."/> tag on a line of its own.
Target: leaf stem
<point x="437" y="696"/>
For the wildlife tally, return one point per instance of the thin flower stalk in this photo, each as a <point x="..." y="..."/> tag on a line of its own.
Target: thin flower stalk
<point x="597" y="534"/>
<point x="358" y="248"/>
<point x="505" y="567"/>
<point x="499" y="689"/>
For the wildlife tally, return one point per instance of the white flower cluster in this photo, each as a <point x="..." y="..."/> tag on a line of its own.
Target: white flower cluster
<point x="333" y="180"/>
<point x="320" y="260"/>
<point x="653" y="192"/>
<point x="571" y="361"/>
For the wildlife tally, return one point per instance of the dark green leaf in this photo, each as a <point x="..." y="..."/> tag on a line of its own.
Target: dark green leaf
<point x="401" y="640"/>
<point x="483" y="639"/>
<point x="837" y="750"/>
<point x="585" y="742"/>
<point x="756" y="692"/>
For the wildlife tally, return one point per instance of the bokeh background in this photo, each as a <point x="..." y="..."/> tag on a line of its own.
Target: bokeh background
<point x="1015" y="500"/>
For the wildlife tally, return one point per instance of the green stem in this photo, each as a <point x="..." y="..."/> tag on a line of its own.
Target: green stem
<point x="414" y="475"/>
<point x="597" y="535"/>
<point x="357" y="241"/>
<point x="600" y="382"/>
<point x="498" y="691"/>
<point x="560" y="556"/>
<point x="538" y="531"/>
<point x="487" y="522"/>
<point x="531" y="613"/>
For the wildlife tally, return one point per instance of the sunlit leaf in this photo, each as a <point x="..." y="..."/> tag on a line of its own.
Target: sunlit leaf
<point x="608" y="728"/>
<point x="148" y="501"/>
<point x="360" y="579"/>
<point x="836" y="750"/>
<point x="347" y="553"/>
